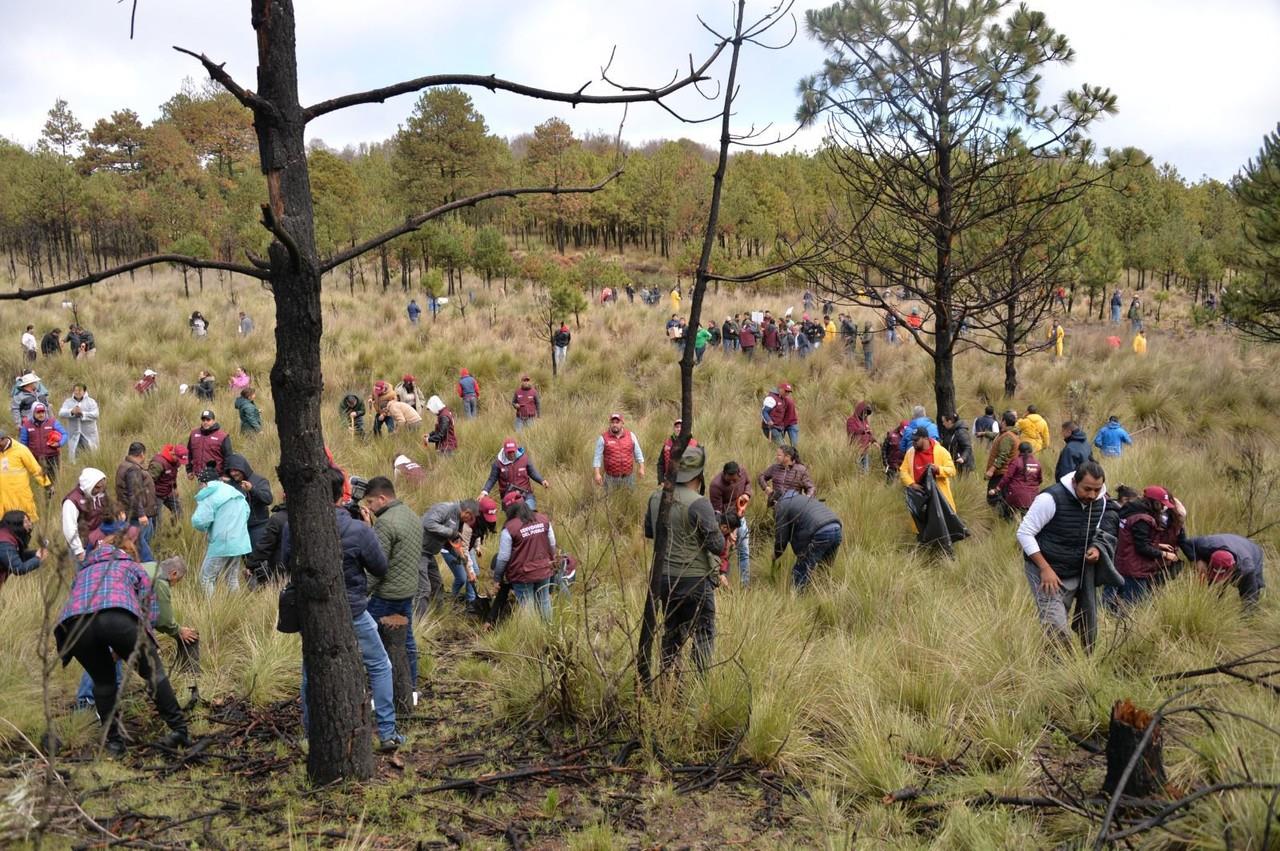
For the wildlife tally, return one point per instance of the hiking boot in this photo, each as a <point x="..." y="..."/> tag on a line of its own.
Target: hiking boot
<point x="391" y="743"/>
<point x="115" y="748"/>
<point x="175" y="739"/>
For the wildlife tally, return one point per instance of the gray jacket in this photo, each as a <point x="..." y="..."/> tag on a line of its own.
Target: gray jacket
<point x="1249" y="559"/>
<point x="799" y="517"/>
<point x="440" y="525"/>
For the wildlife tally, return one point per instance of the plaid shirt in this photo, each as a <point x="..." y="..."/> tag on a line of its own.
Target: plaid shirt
<point x="110" y="579"/>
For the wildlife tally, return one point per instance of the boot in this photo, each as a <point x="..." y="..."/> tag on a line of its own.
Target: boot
<point x="176" y="739"/>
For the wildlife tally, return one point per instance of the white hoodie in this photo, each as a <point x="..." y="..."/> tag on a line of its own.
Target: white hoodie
<point x="89" y="478"/>
<point x="435" y="404"/>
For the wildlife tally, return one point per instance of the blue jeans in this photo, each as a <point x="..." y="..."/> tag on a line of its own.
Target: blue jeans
<point x="378" y="665"/>
<point x="380" y="608"/>
<point x="380" y="422"/>
<point x="215" y="566"/>
<point x="522" y="422"/>
<point x="144" y="540"/>
<point x="1115" y="315"/>
<point x="792" y="433"/>
<point x="822" y="549"/>
<point x="534" y="593"/>
<point x="1133" y="591"/>
<point x="893" y="334"/>
<point x="459" y="570"/>
<point x="698" y="353"/>
<point x="744" y="552"/>
<point x="469" y="406"/>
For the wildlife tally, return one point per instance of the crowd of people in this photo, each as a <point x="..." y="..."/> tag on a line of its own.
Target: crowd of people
<point x="1076" y="537"/>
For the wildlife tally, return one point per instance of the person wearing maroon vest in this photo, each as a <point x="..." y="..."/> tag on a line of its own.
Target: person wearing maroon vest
<point x="730" y="493"/>
<point x="513" y="472"/>
<point x="164" y="468"/>
<point x="526" y="557"/>
<point x="83" y="510"/>
<point x="664" y="460"/>
<point x="616" y="456"/>
<point x="444" y="436"/>
<point x="44" y="436"/>
<point x="1147" y="544"/>
<point x="527" y="403"/>
<point x="1020" y="483"/>
<point x="207" y="446"/>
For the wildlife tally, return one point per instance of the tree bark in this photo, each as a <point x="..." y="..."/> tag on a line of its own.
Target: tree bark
<point x="340" y="726"/>
<point x="394" y="630"/>
<point x="1128" y="724"/>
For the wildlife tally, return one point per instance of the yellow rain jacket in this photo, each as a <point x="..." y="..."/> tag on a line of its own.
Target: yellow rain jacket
<point x="16" y="465"/>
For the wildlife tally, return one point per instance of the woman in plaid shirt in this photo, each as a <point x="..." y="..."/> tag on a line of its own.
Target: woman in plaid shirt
<point x="112" y="609"/>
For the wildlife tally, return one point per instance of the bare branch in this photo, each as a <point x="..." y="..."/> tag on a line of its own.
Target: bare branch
<point x="629" y="94"/>
<point x="413" y="223"/>
<point x="182" y="260"/>
<point x="246" y="97"/>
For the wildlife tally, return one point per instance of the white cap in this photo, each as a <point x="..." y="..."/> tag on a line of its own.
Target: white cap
<point x="148" y="373"/>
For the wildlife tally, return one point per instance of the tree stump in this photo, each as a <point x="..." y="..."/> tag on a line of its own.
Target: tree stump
<point x="1128" y="725"/>
<point x="394" y="629"/>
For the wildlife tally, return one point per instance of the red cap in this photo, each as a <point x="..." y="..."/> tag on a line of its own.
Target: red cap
<point x="488" y="509"/>
<point x="509" y="446"/>
<point x="525" y="378"/>
<point x="1160" y="495"/>
<point x="409" y="379"/>
<point x="616" y="416"/>
<point x="511" y="498"/>
<point x="784" y="387"/>
<point x="1221" y="565"/>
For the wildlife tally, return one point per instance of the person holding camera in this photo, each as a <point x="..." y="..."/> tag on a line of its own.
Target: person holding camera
<point x="399" y="534"/>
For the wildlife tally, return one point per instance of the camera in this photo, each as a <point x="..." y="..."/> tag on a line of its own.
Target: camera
<point x="359" y="486"/>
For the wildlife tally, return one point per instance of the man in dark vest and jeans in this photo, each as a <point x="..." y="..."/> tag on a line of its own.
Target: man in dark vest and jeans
<point x="1067" y="536"/>
<point x="513" y="470"/>
<point x="207" y="446"/>
<point x="527" y="403"/>
<point x="690" y="569"/>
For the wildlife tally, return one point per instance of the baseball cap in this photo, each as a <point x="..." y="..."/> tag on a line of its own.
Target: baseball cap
<point x="509" y="446"/>
<point x="691" y="464"/>
<point x="678" y="421"/>
<point x="207" y="415"/>
<point x="180" y="452"/>
<point x="616" y="416"/>
<point x="407" y="378"/>
<point x="511" y="498"/>
<point x="786" y="388"/>
<point x="488" y="509"/>
<point x="1221" y="565"/>
<point x="148" y="373"/>
<point x="1160" y="495"/>
<point x="525" y="378"/>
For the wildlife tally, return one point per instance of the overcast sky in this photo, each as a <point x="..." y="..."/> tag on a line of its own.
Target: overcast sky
<point x="1197" y="82"/>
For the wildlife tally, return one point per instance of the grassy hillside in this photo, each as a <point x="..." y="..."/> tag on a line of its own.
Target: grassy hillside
<point x="898" y="671"/>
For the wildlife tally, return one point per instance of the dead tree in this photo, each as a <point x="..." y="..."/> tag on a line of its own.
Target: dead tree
<point x="341" y="729"/>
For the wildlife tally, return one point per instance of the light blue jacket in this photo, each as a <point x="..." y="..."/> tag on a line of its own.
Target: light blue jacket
<point x="1111" y="439"/>
<point x="222" y="513"/>
<point x="909" y="433"/>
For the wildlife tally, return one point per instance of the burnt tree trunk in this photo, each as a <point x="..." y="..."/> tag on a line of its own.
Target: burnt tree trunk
<point x="394" y="630"/>
<point x="1128" y="725"/>
<point x="340" y="725"/>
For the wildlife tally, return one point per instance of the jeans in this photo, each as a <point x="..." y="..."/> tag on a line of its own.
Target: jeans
<point x="1133" y="591"/>
<point x="1115" y="314"/>
<point x="744" y="552"/>
<point x="215" y="566"/>
<point x="522" y="422"/>
<point x="748" y="351"/>
<point x="388" y="422"/>
<point x="560" y="354"/>
<point x="380" y="608"/>
<point x="866" y="358"/>
<point x="459" y="570"/>
<point x="698" y="353"/>
<point x="534" y="594"/>
<point x="611" y="482"/>
<point x="821" y="550"/>
<point x="791" y="432"/>
<point x="430" y="585"/>
<point x="893" y="334"/>
<point x="92" y="639"/>
<point x="470" y="404"/>
<point x="144" y="540"/>
<point x="378" y="664"/>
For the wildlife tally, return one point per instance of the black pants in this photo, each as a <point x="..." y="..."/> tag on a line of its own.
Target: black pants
<point x="428" y="570"/>
<point x="688" y="606"/>
<point x="90" y="640"/>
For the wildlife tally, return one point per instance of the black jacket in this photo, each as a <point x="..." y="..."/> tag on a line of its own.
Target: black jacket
<point x="361" y="553"/>
<point x="1074" y="453"/>
<point x="269" y="548"/>
<point x="959" y="442"/>
<point x="259" y="494"/>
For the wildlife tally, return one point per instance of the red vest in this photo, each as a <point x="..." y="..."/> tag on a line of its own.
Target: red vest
<point x="450" y="441"/>
<point x="531" y="559"/>
<point x="168" y="477"/>
<point x="778" y="413"/>
<point x="205" y="448"/>
<point x="90" y="508"/>
<point x="1131" y="563"/>
<point x="1024" y="482"/>
<point x="526" y="403"/>
<point x="666" y="453"/>
<point x="38" y="438"/>
<point x="515" y="476"/>
<point x="619" y="454"/>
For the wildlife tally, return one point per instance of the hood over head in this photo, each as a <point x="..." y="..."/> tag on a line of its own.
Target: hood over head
<point x="89" y="478"/>
<point x="435" y="405"/>
<point x="236" y="461"/>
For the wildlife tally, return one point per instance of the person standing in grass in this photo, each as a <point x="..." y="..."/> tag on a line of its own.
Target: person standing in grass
<point x="1019" y="485"/>
<point x="28" y="390"/>
<point x="414" y="311"/>
<point x="784" y="475"/>
<point x="954" y="435"/>
<point x="207" y="446"/>
<point x="45" y="437"/>
<point x="617" y="456"/>
<point x="919" y="420"/>
<point x="986" y="427"/>
<point x="83" y="510"/>
<point x="1002" y="451"/>
<point x="1067" y="537"/>
<point x="526" y="558"/>
<point x="80" y="411"/>
<point x="690" y="570"/>
<point x="250" y="416"/>
<point x="1151" y="532"/>
<point x="1116" y="304"/>
<point x="664" y="459"/>
<point x="136" y="493"/>
<point x="246" y="324"/>
<point x="444" y="437"/>
<point x="407" y="391"/>
<point x="858" y="429"/>
<point x="811" y="529"/>
<point x="222" y="513"/>
<point x="560" y="345"/>
<point x="779" y="417"/>
<point x="700" y="340"/>
<point x="164" y="468"/>
<point x="51" y="343"/>
<point x="29" y="345"/>
<point x="1112" y="438"/>
<point x="513" y="470"/>
<point x="1140" y="343"/>
<point x="526" y="402"/>
<point x="925" y="455"/>
<point x="256" y="490"/>
<point x="730" y="493"/>
<point x="469" y="393"/>
<point x="1075" y="450"/>
<point x="1034" y="430"/>
<point x="399" y="532"/>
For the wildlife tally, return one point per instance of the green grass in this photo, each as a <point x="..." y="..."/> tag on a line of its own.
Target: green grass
<point x="894" y="653"/>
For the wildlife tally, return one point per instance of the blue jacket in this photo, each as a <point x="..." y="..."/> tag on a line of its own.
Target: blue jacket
<point x="413" y="310"/>
<point x="222" y="513"/>
<point x="57" y="426"/>
<point x="909" y="433"/>
<point x="361" y="553"/>
<point x="467" y="387"/>
<point x="1111" y="439"/>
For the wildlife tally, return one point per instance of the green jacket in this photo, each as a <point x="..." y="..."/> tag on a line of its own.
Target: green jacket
<point x="701" y="339"/>
<point x="250" y="416"/>
<point x="694" y="542"/>
<point x="399" y="532"/>
<point x="165" y="623"/>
